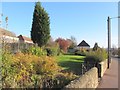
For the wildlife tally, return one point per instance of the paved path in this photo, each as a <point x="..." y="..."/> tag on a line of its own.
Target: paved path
<point x="110" y="78"/>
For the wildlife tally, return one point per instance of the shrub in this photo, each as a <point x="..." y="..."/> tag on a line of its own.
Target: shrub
<point x="94" y="57"/>
<point x="9" y="70"/>
<point x="35" y="51"/>
<point x="17" y="70"/>
<point x="30" y="71"/>
<point x="82" y="53"/>
<point x="53" y="49"/>
<point x="63" y="79"/>
<point x="57" y="81"/>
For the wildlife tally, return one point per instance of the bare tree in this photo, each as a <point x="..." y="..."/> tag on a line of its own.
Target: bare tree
<point x="74" y="42"/>
<point x="1" y="15"/>
<point x="6" y="19"/>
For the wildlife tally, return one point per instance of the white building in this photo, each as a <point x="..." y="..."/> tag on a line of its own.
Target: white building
<point x="7" y="36"/>
<point x="83" y="45"/>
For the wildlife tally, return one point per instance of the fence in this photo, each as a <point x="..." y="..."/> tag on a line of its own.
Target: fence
<point x="15" y="47"/>
<point x="85" y="67"/>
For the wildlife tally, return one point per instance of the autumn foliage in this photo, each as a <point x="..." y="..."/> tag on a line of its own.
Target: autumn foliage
<point x="31" y="71"/>
<point x="64" y="44"/>
<point x="20" y="69"/>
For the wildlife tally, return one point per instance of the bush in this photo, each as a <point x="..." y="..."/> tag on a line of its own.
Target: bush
<point x="7" y="70"/>
<point x="18" y="70"/>
<point x="63" y="79"/>
<point x="30" y="71"/>
<point x="53" y="51"/>
<point x="81" y="53"/>
<point x="35" y="51"/>
<point x="94" y="57"/>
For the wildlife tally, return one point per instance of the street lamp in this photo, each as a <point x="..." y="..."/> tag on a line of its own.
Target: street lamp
<point x="109" y="38"/>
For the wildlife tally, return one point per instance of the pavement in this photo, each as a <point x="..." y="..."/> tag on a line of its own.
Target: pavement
<point x="110" y="79"/>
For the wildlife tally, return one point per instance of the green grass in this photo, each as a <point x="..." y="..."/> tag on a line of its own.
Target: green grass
<point x="71" y="63"/>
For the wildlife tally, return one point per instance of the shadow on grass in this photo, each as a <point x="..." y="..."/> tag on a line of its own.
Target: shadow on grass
<point x="74" y="67"/>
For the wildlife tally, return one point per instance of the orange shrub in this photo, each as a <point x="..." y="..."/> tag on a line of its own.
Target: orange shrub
<point x="31" y="71"/>
<point x="20" y="68"/>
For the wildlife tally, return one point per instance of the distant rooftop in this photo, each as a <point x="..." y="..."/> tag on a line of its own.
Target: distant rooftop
<point x="83" y="43"/>
<point x="25" y="38"/>
<point x="6" y="33"/>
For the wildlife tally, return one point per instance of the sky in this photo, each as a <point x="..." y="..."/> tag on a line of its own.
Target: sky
<point x="83" y="20"/>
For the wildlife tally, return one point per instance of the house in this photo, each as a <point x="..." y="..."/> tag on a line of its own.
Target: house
<point x="15" y="43"/>
<point x="83" y="45"/>
<point x="24" y="39"/>
<point x="7" y="36"/>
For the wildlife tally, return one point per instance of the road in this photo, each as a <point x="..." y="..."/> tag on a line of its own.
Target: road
<point x="111" y="76"/>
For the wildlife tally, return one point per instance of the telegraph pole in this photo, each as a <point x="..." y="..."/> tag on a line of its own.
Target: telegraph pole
<point x="109" y="41"/>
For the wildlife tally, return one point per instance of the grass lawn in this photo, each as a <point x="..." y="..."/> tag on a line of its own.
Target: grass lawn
<point x="71" y="63"/>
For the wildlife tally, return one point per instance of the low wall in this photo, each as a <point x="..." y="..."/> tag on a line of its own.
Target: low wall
<point x="102" y="66"/>
<point x="88" y="80"/>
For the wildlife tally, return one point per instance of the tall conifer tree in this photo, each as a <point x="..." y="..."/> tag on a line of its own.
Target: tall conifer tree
<point x="40" y="32"/>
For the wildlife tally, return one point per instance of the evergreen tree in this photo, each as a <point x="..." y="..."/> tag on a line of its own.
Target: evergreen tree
<point x="96" y="47"/>
<point x="40" y="32"/>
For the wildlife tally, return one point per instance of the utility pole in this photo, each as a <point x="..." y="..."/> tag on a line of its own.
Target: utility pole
<point x="109" y="38"/>
<point x="109" y="41"/>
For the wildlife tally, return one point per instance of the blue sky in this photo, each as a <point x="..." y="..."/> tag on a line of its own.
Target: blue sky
<point x="82" y="20"/>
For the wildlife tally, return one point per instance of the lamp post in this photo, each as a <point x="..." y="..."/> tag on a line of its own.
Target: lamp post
<point x="109" y="38"/>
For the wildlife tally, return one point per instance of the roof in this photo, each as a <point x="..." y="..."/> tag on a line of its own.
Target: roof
<point x="6" y="33"/>
<point x="83" y="43"/>
<point x="25" y="38"/>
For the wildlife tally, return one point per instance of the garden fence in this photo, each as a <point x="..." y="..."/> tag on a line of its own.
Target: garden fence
<point x="85" y="67"/>
<point x="15" y="47"/>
